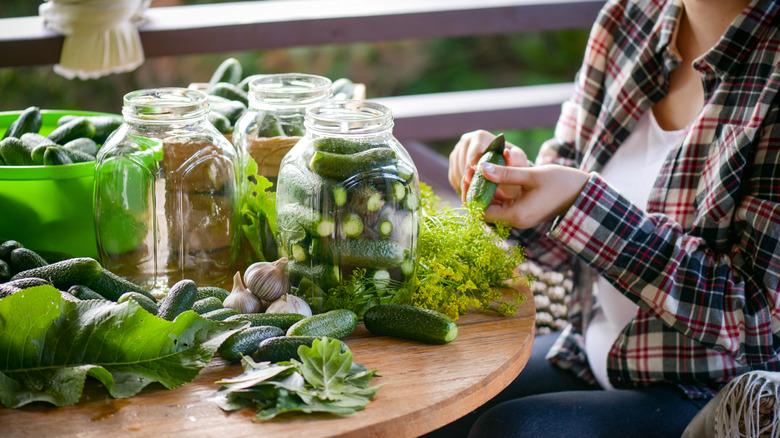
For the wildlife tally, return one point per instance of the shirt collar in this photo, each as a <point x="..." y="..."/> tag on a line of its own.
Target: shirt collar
<point x="735" y="44"/>
<point x="741" y="37"/>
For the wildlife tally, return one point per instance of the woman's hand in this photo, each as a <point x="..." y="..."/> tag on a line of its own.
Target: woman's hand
<point x="467" y="152"/>
<point x="538" y="194"/>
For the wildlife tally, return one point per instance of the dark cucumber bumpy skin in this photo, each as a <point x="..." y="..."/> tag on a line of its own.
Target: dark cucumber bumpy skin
<point x="481" y="190"/>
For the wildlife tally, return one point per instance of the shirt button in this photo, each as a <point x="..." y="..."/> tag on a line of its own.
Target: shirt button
<point x="607" y="137"/>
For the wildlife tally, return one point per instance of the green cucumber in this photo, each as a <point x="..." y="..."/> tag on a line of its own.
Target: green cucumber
<point x="284" y="348"/>
<point x="206" y="305"/>
<point x="23" y="259"/>
<point x="295" y="215"/>
<point x="142" y="300"/>
<point x="37" y="145"/>
<point x="5" y="271"/>
<point x="82" y="145"/>
<point x="220" y="122"/>
<point x="228" y="91"/>
<point x="112" y="286"/>
<point x="56" y="156"/>
<point x="381" y="254"/>
<point x="229" y="71"/>
<point x="397" y="190"/>
<point x="342" y="166"/>
<point x="385" y="227"/>
<point x="247" y="341"/>
<point x="303" y="185"/>
<point x="481" y="190"/>
<point x="244" y="84"/>
<point x="84" y="293"/>
<point x="212" y="291"/>
<point x="410" y="322"/>
<point x="13" y="286"/>
<point x="352" y="225"/>
<point x="29" y="120"/>
<point x="230" y="109"/>
<point x="180" y="298"/>
<point x="323" y="275"/>
<point x="298" y="253"/>
<point x="343" y="145"/>
<point x="104" y="125"/>
<point x="77" y="128"/>
<point x="381" y="279"/>
<point x="336" y="324"/>
<point x="220" y="314"/>
<point x="64" y="274"/>
<point x="15" y="152"/>
<point x="270" y="126"/>
<point x="281" y="320"/>
<point x="293" y="128"/>
<point x="6" y="248"/>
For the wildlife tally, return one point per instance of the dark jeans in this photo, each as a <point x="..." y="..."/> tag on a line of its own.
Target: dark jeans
<point x="545" y="401"/>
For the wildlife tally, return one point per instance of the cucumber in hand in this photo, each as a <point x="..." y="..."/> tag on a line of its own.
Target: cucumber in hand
<point x="481" y="190"/>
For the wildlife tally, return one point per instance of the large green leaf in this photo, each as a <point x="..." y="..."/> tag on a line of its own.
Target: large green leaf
<point x="49" y="345"/>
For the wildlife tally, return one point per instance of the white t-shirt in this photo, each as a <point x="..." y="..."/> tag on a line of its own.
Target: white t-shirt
<point x="632" y="170"/>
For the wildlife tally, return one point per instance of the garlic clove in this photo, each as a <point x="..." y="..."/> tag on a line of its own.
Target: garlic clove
<point x="289" y="303"/>
<point x="241" y="299"/>
<point x="268" y="280"/>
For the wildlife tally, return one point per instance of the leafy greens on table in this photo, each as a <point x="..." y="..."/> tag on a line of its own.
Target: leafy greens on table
<point x="49" y="345"/>
<point x="324" y="380"/>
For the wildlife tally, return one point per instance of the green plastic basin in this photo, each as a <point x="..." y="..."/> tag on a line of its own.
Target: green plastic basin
<point x="48" y="208"/>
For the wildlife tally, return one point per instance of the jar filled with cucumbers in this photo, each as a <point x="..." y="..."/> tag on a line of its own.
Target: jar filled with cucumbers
<point x="272" y="125"/>
<point x="348" y="203"/>
<point x="166" y="193"/>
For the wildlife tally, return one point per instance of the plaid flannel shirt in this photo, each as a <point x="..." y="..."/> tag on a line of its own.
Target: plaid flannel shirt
<point x="702" y="259"/>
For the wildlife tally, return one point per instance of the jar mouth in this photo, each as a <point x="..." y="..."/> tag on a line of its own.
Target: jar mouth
<point x="165" y="105"/>
<point x="293" y="89"/>
<point x="348" y="117"/>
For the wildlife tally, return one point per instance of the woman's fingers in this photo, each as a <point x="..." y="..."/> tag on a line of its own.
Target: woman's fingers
<point x="520" y="176"/>
<point x="515" y="156"/>
<point x="465" y="155"/>
<point x="532" y="195"/>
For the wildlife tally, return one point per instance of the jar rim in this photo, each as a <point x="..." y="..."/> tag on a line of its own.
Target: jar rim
<point x="349" y="117"/>
<point x="165" y="104"/>
<point x="290" y="88"/>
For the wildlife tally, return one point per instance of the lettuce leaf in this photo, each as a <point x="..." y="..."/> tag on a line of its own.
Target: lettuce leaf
<point x="258" y="212"/>
<point x="324" y="381"/>
<point x="49" y="345"/>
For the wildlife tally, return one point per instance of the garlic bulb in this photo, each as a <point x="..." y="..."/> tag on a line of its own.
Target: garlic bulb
<point x="267" y="280"/>
<point x="241" y="299"/>
<point x="288" y="303"/>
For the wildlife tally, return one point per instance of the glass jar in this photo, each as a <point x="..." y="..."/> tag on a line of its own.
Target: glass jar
<point x="348" y="208"/>
<point x="272" y="125"/>
<point x="167" y="193"/>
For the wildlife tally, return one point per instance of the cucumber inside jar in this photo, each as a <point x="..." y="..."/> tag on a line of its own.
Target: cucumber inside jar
<point x="332" y="222"/>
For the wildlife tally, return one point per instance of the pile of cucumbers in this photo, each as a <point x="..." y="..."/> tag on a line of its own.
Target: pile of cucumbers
<point x="76" y="139"/>
<point x="228" y="93"/>
<point x="270" y="337"/>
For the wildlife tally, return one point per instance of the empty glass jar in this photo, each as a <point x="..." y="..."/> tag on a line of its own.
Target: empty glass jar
<point x="167" y="193"/>
<point x="272" y="125"/>
<point x="348" y="204"/>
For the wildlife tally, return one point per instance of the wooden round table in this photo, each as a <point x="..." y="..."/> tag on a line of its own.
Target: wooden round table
<point x="423" y="388"/>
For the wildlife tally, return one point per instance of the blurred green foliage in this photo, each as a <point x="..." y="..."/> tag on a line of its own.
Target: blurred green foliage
<point x="386" y="68"/>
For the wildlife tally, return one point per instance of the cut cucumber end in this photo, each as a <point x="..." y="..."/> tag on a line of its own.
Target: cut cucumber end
<point x="452" y="333"/>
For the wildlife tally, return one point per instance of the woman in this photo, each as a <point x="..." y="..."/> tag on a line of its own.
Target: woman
<point x="662" y="184"/>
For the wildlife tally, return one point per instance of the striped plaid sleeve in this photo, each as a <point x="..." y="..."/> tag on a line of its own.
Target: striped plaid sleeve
<point x="579" y="114"/>
<point x="677" y="277"/>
